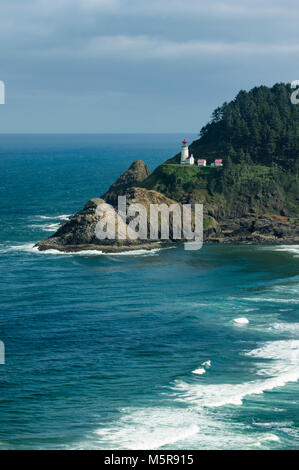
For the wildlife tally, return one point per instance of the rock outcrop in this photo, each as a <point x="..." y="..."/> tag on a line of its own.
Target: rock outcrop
<point x="135" y="174"/>
<point x="79" y="232"/>
<point x="252" y="228"/>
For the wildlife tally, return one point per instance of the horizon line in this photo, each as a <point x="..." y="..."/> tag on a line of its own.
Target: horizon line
<point x="98" y="133"/>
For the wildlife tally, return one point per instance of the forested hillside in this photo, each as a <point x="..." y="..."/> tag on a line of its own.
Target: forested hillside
<point x="257" y="135"/>
<point x="260" y="126"/>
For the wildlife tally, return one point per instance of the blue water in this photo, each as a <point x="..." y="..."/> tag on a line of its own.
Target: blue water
<point x="107" y="351"/>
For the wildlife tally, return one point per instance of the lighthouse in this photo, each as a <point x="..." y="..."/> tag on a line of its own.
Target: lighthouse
<point x="185" y="158"/>
<point x="184" y="151"/>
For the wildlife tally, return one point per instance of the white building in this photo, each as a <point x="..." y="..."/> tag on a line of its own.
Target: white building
<point x="186" y="159"/>
<point x="190" y="160"/>
<point x="217" y="162"/>
<point x="184" y="152"/>
<point x="201" y="162"/>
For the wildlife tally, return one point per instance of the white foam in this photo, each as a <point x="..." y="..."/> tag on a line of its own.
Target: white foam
<point x="282" y="368"/>
<point x="30" y="248"/>
<point x="175" y="427"/>
<point x="198" y="421"/>
<point x="52" y="217"/>
<point x="285" y="327"/>
<point x="199" y="371"/>
<point x="149" y="428"/>
<point x="241" y="321"/>
<point x="271" y="299"/>
<point x="154" y="251"/>
<point x="47" y="227"/>
<point x="274" y="424"/>
<point x="207" y="363"/>
<point x="289" y="248"/>
<point x="269" y="437"/>
<point x="26" y="247"/>
<point x="63" y="216"/>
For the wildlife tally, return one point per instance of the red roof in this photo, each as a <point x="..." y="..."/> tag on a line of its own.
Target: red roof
<point x="218" y="160"/>
<point x="201" y="160"/>
<point x="184" y="141"/>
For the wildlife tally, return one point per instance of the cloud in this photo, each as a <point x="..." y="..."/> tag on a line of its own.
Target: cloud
<point x="230" y="9"/>
<point x="149" y="52"/>
<point x="183" y="8"/>
<point x="149" y="48"/>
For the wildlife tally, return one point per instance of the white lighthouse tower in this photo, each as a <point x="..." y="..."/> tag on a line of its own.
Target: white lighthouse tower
<point x="185" y="158"/>
<point x="184" y="152"/>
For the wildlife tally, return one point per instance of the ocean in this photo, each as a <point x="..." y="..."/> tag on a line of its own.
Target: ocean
<point x="168" y="349"/>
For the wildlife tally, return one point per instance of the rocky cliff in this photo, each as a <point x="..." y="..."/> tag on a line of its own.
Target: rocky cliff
<point x="254" y="198"/>
<point x="247" y="203"/>
<point x="247" y="224"/>
<point x="135" y="174"/>
<point x="79" y="232"/>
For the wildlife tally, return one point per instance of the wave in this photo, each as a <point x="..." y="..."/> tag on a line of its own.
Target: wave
<point x="273" y="424"/>
<point x="26" y="247"/>
<point x="271" y="299"/>
<point x="207" y="363"/>
<point x="199" y="371"/>
<point x="199" y="422"/>
<point x="164" y="427"/>
<point x="47" y="227"/>
<point x="288" y="248"/>
<point x="282" y="368"/>
<point x="152" y="252"/>
<point x="202" y="370"/>
<point x="31" y="248"/>
<point x="241" y="321"/>
<point x="285" y="327"/>
<point x="51" y="217"/>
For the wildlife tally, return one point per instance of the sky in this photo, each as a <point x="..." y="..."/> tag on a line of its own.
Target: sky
<point x="128" y="66"/>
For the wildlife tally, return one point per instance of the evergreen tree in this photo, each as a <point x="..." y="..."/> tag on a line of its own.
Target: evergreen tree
<point x="259" y="126"/>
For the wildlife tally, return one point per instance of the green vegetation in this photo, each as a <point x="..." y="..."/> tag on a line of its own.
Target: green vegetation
<point x="257" y="135"/>
<point x="259" y="126"/>
<point x="232" y="190"/>
<point x="208" y="222"/>
<point x="177" y="181"/>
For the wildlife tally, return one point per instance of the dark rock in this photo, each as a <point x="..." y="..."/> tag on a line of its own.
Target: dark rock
<point x="137" y="173"/>
<point x="79" y="233"/>
<point x="245" y="219"/>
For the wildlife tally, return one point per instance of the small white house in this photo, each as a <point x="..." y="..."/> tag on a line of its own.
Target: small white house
<point x="201" y="162"/>
<point x="191" y="160"/>
<point x="217" y="162"/>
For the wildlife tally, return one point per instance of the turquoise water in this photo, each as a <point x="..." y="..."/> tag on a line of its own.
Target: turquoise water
<point x="113" y="351"/>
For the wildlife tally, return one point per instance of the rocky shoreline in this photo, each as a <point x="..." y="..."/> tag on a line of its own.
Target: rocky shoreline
<point x="257" y="229"/>
<point x="78" y="233"/>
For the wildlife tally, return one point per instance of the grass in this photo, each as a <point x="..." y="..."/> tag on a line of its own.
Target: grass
<point x="256" y="186"/>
